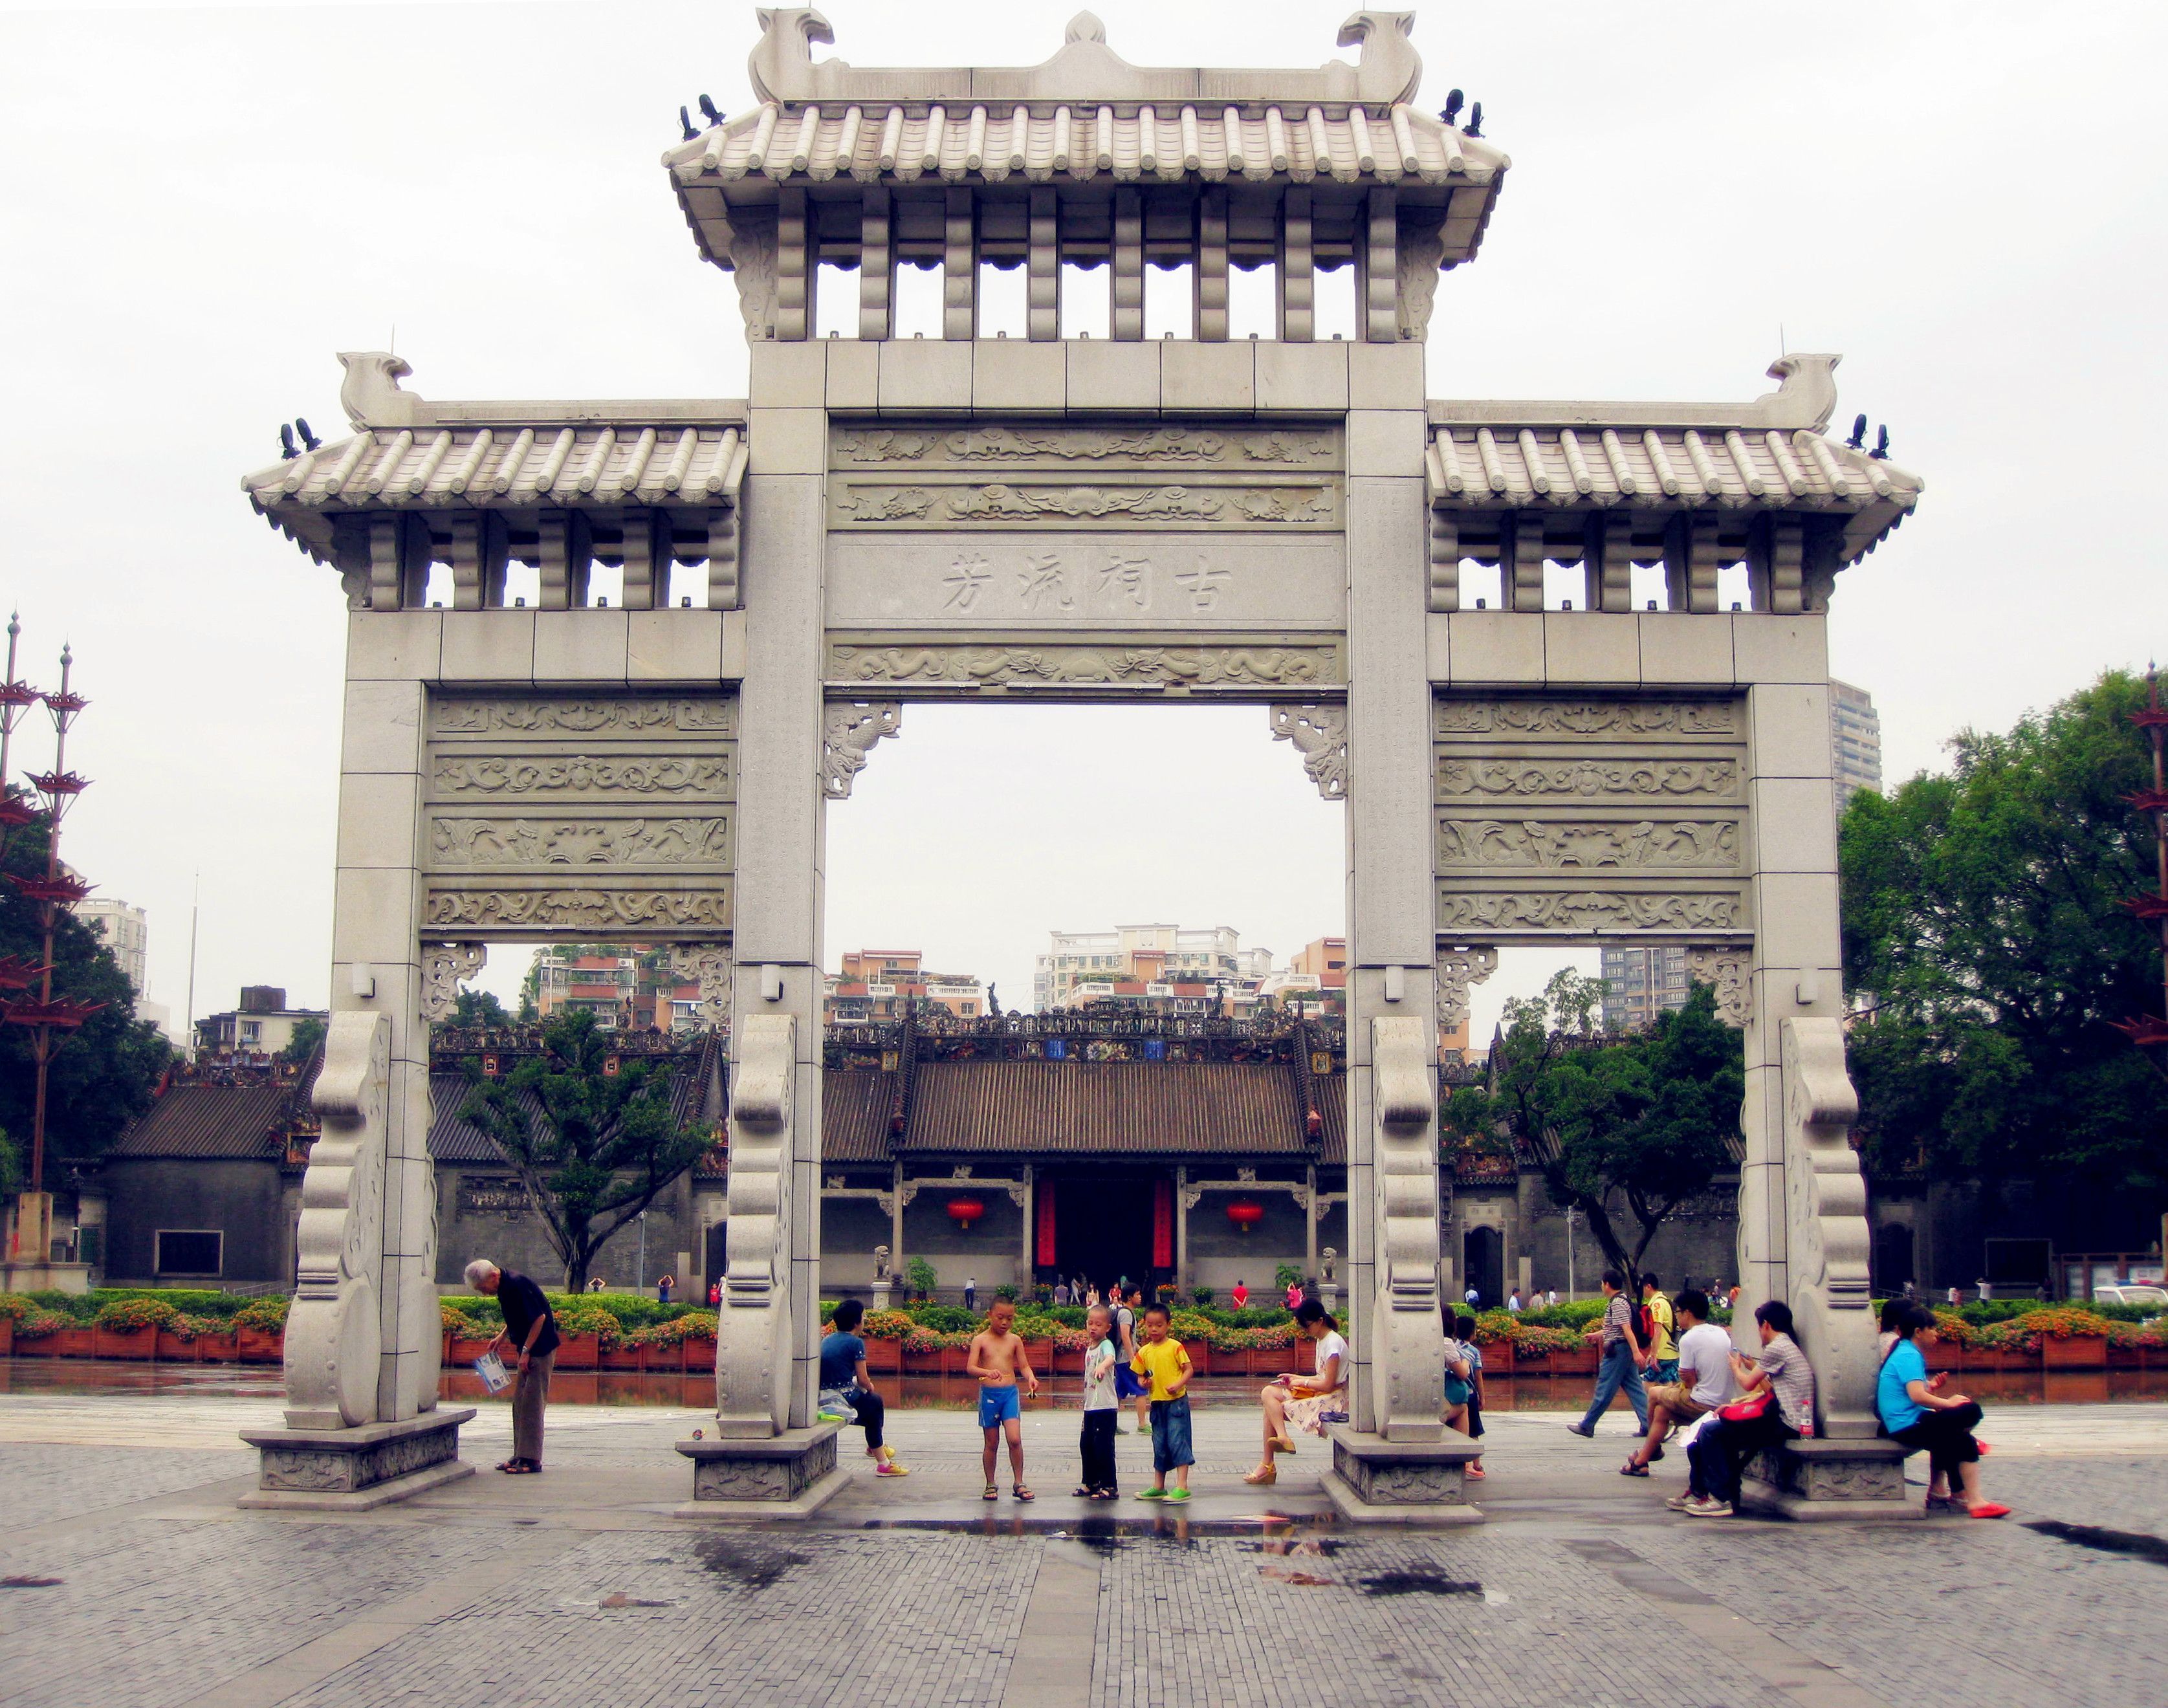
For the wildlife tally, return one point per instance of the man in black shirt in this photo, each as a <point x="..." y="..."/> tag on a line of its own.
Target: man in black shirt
<point x="530" y="1332"/>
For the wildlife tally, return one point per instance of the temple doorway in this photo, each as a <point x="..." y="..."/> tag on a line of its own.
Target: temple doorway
<point x="1483" y="1256"/>
<point x="1103" y="1226"/>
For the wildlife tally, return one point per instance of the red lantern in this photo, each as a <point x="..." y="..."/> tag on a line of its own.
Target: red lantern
<point x="964" y="1211"/>
<point x="1245" y="1215"/>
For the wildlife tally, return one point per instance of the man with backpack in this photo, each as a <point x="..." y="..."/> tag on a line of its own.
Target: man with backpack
<point x="1657" y="1328"/>
<point x="1624" y="1356"/>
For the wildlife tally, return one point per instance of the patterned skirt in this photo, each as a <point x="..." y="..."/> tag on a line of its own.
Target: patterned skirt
<point x="1310" y="1413"/>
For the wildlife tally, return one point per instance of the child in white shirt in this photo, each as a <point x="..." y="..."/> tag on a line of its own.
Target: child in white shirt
<point x="1102" y="1407"/>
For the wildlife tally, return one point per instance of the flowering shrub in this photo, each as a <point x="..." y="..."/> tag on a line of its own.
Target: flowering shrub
<point x="884" y="1325"/>
<point x="934" y="1339"/>
<point x="595" y="1320"/>
<point x="2062" y="1324"/>
<point x="14" y="1307"/>
<point x="1540" y="1340"/>
<point x="457" y="1321"/>
<point x="695" y="1326"/>
<point x="36" y="1324"/>
<point x="186" y="1327"/>
<point x="126" y="1316"/>
<point x="1954" y="1329"/>
<point x="266" y="1315"/>
<point x="1494" y="1328"/>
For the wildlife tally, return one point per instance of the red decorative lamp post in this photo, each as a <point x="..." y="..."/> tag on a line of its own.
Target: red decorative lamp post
<point x="964" y="1211"/>
<point x="1245" y="1215"/>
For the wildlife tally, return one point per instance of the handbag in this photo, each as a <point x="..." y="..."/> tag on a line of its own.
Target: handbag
<point x="1747" y="1410"/>
<point x="1457" y="1392"/>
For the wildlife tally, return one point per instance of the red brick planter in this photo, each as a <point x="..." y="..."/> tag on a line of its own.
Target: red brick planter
<point x="257" y="1347"/>
<point x="577" y="1352"/>
<point x="2072" y="1352"/>
<point x="138" y="1344"/>
<point x="461" y="1350"/>
<point x="923" y="1363"/>
<point x="623" y="1357"/>
<point x="883" y="1357"/>
<point x="73" y="1343"/>
<point x="7" y="1336"/>
<point x="1581" y="1362"/>
<point x="1041" y="1355"/>
<point x="2124" y="1357"/>
<point x="215" y="1349"/>
<point x="1067" y="1363"/>
<point x="173" y="1349"/>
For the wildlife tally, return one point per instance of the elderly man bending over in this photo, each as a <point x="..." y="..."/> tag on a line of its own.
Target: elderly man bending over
<point x="531" y="1328"/>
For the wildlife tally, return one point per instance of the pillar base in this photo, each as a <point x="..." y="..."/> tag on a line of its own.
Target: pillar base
<point x="1822" y="1479"/>
<point x="789" y="1475"/>
<point x="355" y="1470"/>
<point x="38" y="1278"/>
<point x="1376" y="1482"/>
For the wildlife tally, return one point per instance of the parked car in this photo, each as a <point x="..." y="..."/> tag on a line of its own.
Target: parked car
<point x="2131" y="1293"/>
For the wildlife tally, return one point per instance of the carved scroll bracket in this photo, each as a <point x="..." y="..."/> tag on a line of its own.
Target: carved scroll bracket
<point x="1826" y="1223"/>
<point x="444" y="968"/>
<point x="1319" y="734"/>
<point x="333" y="1334"/>
<point x="708" y="963"/>
<point x="752" y="1342"/>
<point x="1458" y="969"/>
<point x="1728" y="970"/>
<point x="1407" y="1363"/>
<point x="847" y="734"/>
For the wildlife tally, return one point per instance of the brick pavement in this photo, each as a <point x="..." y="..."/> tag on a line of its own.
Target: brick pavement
<point x="1580" y="1594"/>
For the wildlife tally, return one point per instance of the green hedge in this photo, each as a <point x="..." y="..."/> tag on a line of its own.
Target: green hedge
<point x="631" y="1309"/>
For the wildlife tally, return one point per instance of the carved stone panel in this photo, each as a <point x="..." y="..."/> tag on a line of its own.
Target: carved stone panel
<point x="558" y="815"/>
<point x="1222" y="662"/>
<point x="1584" y="815"/>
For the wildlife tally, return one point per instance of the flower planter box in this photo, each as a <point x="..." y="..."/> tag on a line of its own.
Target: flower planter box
<point x="700" y="1356"/>
<point x="257" y="1347"/>
<point x="1580" y="1362"/>
<point x="73" y="1343"/>
<point x="134" y="1343"/>
<point x="173" y="1349"/>
<point x="1066" y="1363"/>
<point x="217" y="1349"/>
<point x="623" y="1357"/>
<point x="578" y="1351"/>
<point x="2124" y="1357"/>
<point x="924" y="1363"/>
<point x="1041" y="1355"/>
<point x="1942" y="1356"/>
<point x="884" y="1357"/>
<point x="2072" y="1352"/>
<point x="7" y="1336"/>
<point x="460" y="1351"/>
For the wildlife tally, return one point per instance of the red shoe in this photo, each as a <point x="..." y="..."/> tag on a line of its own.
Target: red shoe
<point x="1475" y="1471"/>
<point x="1989" y="1509"/>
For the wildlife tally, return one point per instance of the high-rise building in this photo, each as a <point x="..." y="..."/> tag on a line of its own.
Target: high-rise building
<point x="1081" y="966"/>
<point x="1640" y="984"/>
<point x="1855" y="741"/>
<point x="876" y="984"/>
<point x="125" y="930"/>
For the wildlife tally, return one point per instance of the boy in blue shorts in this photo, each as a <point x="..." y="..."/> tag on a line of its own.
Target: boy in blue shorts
<point x="999" y="1361"/>
<point x="1161" y="1361"/>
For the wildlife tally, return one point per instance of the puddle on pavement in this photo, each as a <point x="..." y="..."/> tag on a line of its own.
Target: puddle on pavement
<point x="750" y="1561"/>
<point x="2136" y="1543"/>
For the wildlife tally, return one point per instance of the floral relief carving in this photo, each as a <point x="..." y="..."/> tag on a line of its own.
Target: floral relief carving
<point x="1585" y="910"/>
<point x="582" y="716"/>
<point x="611" y="842"/>
<point x="1552" y="717"/>
<point x="709" y="966"/>
<point x="661" y="774"/>
<point x="1457" y="970"/>
<point x="1586" y="778"/>
<point x="1320" y="735"/>
<point x="580" y="909"/>
<point x="1491" y="842"/>
<point x="1001" y="444"/>
<point x="847" y="734"/>
<point x="1204" y="666"/>
<point x="1728" y="970"/>
<point x="444" y="968"/>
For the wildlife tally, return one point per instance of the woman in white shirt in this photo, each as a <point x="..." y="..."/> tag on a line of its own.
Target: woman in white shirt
<point x="1304" y="1401"/>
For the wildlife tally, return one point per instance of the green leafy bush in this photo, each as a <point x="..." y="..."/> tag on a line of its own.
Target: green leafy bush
<point x="126" y="1315"/>
<point x="1008" y="1289"/>
<point x="943" y="1318"/>
<point x="15" y="1306"/>
<point x="200" y="1302"/>
<point x="587" y="1315"/>
<point x="921" y="1277"/>
<point x="1286" y="1275"/>
<point x="266" y="1315"/>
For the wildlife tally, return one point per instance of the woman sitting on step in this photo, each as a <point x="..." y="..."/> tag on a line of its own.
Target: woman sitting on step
<point x="1916" y="1412"/>
<point x="1305" y="1402"/>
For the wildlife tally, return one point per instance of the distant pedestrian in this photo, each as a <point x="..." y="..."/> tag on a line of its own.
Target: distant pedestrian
<point x="1294" y="1294"/>
<point x="715" y="1291"/>
<point x="1663" y="1351"/>
<point x="1141" y="1391"/>
<point x="1917" y="1413"/>
<point x="1956" y="1298"/>
<point x="1464" y="1331"/>
<point x="1242" y="1296"/>
<point x="530" y="1330"/>
<point x="1471" y="1298"/>
<point x="1061" y="1293"/>
<point x="1704" y="1381"/>
<point x="1553" y="1300"/>
<point x="662" y="1289"/>
<point x="1513" y="1302"/>
<point x="594" y="1283"/>
<point x="1127" y="1387"/>
<point x="1776" y="1404"/>
<point x="1624" y="1358"/>
<point x="1102" y="1407"/>
<point x="971" y="1293"/>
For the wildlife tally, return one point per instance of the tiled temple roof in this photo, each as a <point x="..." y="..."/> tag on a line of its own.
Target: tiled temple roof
<point x="215" y="1121"/>
<point x="1115" y="1108"/>
<point x="855" y="1109"/>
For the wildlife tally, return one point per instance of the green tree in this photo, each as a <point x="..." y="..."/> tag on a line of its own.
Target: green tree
<point x="1986" y="949"/>
<point x="307" y="1036"/>
<point x="103" y="1073"/>
<point x="594" y="1147"/>
<point x="479" y="1008"/>
<point x="1650" y="1119"/>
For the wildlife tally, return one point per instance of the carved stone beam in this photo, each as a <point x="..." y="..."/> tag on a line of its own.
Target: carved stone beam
<point x="445" y="967"/>
<point x="847" y="734"/>
<point x="1729" y="970"/>
<point x="1319" y="734"/>
<point x="1826" y="1224"/>
<point x="1457" y="970"/>
<point x="334" y="1336"/>
<point x="1407" y="1362"/>
<point x="710" y="963"/>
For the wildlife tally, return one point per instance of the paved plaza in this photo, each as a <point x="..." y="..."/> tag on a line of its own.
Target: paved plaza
<point x="578" y="1587"/>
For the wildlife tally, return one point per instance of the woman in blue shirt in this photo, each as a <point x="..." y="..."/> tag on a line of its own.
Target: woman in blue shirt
<point x="1915" y="1412"/>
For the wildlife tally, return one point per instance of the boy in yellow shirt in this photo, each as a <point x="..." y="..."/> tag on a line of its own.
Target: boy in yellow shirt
<point x="1162" y="1360"/>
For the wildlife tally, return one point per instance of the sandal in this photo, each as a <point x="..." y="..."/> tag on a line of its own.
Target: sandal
<point x="1282" y="1444"/>
<point x="1988" y="1509"/>
<point x="1084" y="1491"/>
<point x="1262" y="1475"/>
<point x="1632" y="1468"/>
<point x="520" y="1467"/>
<point x="991" y="1493"/>
<point x="1021" y="1493"/>
<point x="1107" y="1494"/>
<point x="1479" y="1473"/>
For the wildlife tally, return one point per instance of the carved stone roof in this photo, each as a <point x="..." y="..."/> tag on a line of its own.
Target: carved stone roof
<point x="1109" y="1107"/>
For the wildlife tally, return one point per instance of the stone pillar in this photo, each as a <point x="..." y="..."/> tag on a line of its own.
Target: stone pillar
<point x="781" y="841"/>
<point x="1182" y="1197"/>
<point x="1028" y="1271"/>
<point x="1391" y="909"/>
<point x="1310" y="1224"/>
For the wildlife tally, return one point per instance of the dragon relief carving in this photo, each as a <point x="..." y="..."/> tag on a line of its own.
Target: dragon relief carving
<point x="334" y="1336"/>
<point x="1269" y="667"/>
<point x="1588" y="910"/>
<point x="848" y="735"/>
<point x="1491" y="842"/>
<point x="588" y="910"/>
<point x="1586" y="778"/>
<point x="583" y="717"/>
<point x="660" y="774"/>
<point x="1550" y="717"/>
<point x="998" y="443"/>
<point x="1320" y="735"/>
<point x="1169" y="503"/>
<point x="608" y="842"/>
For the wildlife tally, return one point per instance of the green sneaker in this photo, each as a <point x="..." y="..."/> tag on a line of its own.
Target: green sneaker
<point x="1178" y="1494"/>
<point x="1151" y="1494"/>
<point x="831" y="1418"/>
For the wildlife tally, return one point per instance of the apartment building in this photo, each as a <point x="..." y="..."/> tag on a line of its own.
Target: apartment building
<point x="879" y="984"/>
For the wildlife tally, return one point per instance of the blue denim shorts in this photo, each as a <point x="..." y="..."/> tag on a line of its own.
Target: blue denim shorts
<point x="997" y="1404"/>
<point x="1170" y="1431"/>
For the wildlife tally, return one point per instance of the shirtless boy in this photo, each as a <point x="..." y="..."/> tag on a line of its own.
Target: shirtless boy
<point x="1000" y="1362"/>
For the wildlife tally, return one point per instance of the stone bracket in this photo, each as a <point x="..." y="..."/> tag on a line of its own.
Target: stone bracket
<point x="1457" y="970"/>
<point x="710" y="965"/>
<point x="444" y="968"/>
<point x="847" y="734"/>
<point x="1730" y="970"/>
<point x="1826" y="1224"/>
<point x="1320" y="735"/>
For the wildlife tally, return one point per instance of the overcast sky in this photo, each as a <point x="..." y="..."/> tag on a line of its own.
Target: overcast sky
<point x="201" y="206"/>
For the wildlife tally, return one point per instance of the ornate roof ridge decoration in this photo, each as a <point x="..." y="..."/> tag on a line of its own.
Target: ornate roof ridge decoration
<point x="1805" y="398"/>
<point x="372" y="396"/>
<point x="783" y="69"/>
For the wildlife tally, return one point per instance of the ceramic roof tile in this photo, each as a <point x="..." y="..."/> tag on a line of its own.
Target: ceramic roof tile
<point x="1105" y="1108"/>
